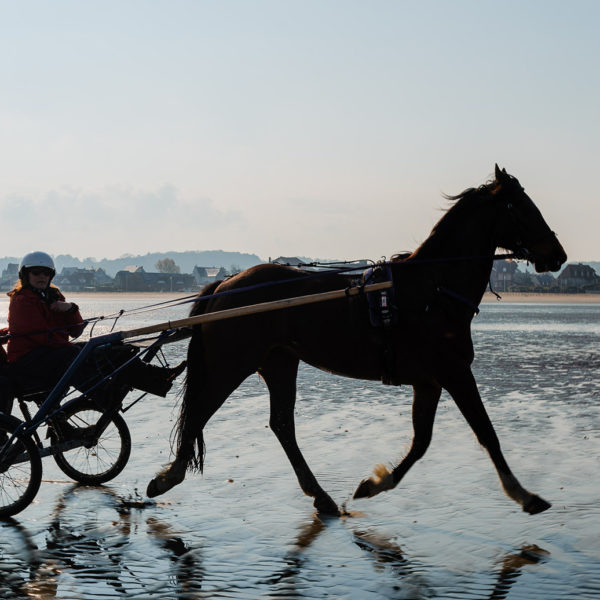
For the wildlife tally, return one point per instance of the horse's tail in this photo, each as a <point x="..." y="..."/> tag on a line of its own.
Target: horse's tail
<point x="189" y="440"/>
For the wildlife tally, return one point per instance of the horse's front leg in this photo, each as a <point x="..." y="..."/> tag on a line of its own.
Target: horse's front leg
<point x="461" y="385"/>
<point x="426" y="396"/>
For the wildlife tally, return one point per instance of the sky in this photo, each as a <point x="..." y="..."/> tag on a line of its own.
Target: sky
<point x="323" y="129"/>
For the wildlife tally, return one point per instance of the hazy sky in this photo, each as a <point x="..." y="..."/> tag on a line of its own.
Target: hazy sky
<point x="318" y="128"/>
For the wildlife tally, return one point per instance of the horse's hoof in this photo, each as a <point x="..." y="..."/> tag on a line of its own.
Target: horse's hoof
<point x="162" y="483"/>
<point x="154" y="489"/>
<point x="326" y="506"/>
<point x="536" y="505"/>
<point x="364" y="490"/>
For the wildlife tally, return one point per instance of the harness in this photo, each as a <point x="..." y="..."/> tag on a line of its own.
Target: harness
<point x="383" y="315"/>
<point x="382" y="310"/>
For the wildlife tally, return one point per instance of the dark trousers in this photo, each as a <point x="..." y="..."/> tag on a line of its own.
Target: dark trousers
<point x="7" y="394"/>
<point x="41" y="369"/>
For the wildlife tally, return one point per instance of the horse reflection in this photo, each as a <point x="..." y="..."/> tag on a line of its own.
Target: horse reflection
<point x="291" y="579"/>
<point x="512" y="566"/>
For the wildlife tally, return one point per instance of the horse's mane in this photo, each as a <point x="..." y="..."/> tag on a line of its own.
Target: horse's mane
<point x="466" y="201"/>
<point x="454" y="217"/>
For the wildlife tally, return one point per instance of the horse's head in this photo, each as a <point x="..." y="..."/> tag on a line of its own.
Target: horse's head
<point x="521" y="227"/>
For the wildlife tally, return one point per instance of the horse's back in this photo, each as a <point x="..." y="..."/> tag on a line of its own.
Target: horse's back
<point x="268" y="282"/>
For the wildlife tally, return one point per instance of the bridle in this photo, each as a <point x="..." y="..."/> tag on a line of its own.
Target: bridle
<point x="522" y="251"/>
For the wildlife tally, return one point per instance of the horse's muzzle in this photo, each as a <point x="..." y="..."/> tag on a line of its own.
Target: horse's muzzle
<point x="552" y="263"/>
<point x="548" y="255"/>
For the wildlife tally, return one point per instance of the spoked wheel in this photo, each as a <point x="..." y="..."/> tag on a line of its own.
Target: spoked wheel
<point x="20" y="469"/>
<point x="101" y="455"/>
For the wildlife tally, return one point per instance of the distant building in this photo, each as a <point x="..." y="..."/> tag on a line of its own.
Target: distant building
<point x="10" y="275"/>
<point x="103" y="280"/>
<point x="130" y="279"/>
<point x="135" y="279"/>
<point x="578" y="276"/>
<point x="205" y="275"/>
<point x="12" y="270"/>
<point x="502" y="277"/>
<point x="292" y="261"/>
<point x="75" y="279"/>
<point x="545" y="281"/>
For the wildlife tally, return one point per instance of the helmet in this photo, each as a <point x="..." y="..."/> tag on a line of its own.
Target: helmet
<point x="36" y="259"/>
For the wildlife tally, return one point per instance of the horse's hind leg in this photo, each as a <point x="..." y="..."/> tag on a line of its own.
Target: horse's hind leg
<point x="279" y="372"/>
<point x="426" y="396"/>
<point x="463" y="389"/>
<point x="207" y="387"/>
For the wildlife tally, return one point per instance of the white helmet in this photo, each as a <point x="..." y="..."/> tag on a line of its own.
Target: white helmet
<point x="36" y="259"/>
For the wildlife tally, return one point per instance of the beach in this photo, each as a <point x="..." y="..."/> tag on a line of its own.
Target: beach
<point x="244" y="530"/>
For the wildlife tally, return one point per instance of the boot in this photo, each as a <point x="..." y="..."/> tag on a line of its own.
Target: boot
<point x="7" y="395"/>
<point x="151" y="378"/>
<point x="6" y="403"/>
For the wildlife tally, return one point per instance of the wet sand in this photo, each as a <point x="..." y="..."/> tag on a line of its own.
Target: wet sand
<point x="244" y="530"/>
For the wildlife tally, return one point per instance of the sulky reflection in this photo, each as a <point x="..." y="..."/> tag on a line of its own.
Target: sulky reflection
<point x="89" y="550"/>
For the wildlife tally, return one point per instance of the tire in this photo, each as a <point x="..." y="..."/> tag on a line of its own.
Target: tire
<point x="103" y="458"/>
<point x="19" y="481"/>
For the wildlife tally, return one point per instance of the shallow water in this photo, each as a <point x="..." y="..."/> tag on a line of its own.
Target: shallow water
<point x="244" y="530"/>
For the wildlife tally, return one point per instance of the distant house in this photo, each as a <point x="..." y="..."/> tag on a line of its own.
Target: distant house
<point x="544" y="280"/>
<point x="293" y="261"/>
<point x="130" y="279"/>
<point x="205" y="275"/>
<point x="577" y="276"/>
<point x="103" y="280"/>
<point x="12" y="270"/>
<point x="502" y="277"/>
<point x="135" y="279"/>
<point x="75" y="279"/>
<point x="10" y="275"/>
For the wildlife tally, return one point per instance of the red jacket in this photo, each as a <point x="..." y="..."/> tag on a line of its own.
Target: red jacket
<point x="31" y="324"/>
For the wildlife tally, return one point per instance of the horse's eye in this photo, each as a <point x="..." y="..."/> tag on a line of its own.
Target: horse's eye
<point x="509" y="205"/>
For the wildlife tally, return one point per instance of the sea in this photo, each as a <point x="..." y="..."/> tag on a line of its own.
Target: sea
<point x="244" y="530"/>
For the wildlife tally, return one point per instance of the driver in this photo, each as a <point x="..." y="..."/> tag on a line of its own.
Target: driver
<point x="41" y="322"/>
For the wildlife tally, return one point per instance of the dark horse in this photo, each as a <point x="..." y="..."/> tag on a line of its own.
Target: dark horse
<point x="437" y="290"/>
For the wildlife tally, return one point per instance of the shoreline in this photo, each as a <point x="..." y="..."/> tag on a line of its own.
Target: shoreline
<point x="537" y="298"/>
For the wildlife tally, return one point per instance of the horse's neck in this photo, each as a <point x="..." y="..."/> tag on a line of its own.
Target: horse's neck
<point x="461" y="260"/>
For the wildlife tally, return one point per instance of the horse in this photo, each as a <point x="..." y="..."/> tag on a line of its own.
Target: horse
<point x="428" y="345"/>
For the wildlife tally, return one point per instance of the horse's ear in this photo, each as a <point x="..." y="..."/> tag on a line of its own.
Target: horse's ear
<point x="500" y="173"/>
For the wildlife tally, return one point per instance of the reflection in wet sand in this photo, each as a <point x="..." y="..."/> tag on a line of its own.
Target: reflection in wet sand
<point x="84" y="555"/>
<point x="410" y="576"/>
<point x="512" y="565"/>
<point x="19" y="560"/>
<point x="288" y="581"/>
<point x="187" y="561"/>
<point x="82" y="558"/>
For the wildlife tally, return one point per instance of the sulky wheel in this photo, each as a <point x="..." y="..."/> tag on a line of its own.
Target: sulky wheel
<point x="102" y="455"/>
<point x="20" y="469"/>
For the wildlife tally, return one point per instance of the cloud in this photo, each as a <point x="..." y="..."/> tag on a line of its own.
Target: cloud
<point x="111" y="221"/>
